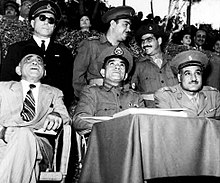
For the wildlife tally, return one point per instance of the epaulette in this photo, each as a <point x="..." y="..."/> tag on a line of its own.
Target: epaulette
<point x="93" y="38"/>
<point x="165" y="89"/>
<point x="210" y="88"/>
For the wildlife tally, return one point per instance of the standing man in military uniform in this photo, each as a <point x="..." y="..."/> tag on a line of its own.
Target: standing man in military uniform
<point x="112" y="96"/>
<point x="85" y="70"/>
<point x="44" y="16"/>
<point x="199" y="100"/>
<point x="152" y="71"/>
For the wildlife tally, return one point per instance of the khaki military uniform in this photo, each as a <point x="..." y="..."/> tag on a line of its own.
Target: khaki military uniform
<point x="104" y="101"/>
<point x="148" y="77"/>
<point x="174" y="97"/>
<point x="86" y="66"/>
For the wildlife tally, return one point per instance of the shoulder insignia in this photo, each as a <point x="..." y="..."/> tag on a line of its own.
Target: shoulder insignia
<point x="165" y="89"/>
<point x="210" y="88"/>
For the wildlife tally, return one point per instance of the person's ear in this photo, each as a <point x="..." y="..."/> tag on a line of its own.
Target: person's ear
<point x="18" y="70"/>
<point x="102" y="72"/>
<point x="178" y="77"/>
<point x="112" y="23"/>
<point x="45" y="73"/>
<point x="126" y="76"/>
<point x="32" y="23"/>
<point x="159" y="40"/>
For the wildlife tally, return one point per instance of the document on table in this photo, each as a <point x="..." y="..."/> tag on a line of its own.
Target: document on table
<point x="181" y="112"/>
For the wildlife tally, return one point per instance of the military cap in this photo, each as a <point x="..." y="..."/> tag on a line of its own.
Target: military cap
<point x="150" y="29"/>
<point x="116" y="52"/>
<point x="120" y="12"/>
<point x="44" y="6"/>
<point x="189" y="58"/>
<point x="12" y="4"/>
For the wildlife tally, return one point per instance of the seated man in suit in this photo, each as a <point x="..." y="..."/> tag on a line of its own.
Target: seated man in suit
<point x="112" y="96"/>
<point x="44" y="17"/>
<point x="190" y="93"/>
<point x="27" y="106"/>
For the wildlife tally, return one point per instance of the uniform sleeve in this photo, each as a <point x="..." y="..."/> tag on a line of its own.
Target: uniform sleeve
<point x="81" y="64"/>
<point x="86" y="107"/>
<point x="161" y="99"/>
<point x="141" y="101"/>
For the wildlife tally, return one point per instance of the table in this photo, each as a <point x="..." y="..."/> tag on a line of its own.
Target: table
<point x="134" y="148"/>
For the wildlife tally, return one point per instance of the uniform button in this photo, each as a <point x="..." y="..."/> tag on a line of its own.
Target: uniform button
<point x="105" y="109"/>
<point x="120" y="107"/>
<point x="160" y="71"/>
<point x="162" y="81"/>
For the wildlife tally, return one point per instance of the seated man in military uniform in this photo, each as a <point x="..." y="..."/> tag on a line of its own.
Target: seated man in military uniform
<point x="190" y="93"/>
<point x="112" y="96"/>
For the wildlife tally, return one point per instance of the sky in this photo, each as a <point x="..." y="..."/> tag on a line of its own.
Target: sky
<point x="206" y="11"/>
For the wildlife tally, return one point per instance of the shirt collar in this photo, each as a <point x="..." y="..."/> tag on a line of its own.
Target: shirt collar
<point x="26" y="84"/>
<point x="108" y="87"/>
<point x="39" y="41"/>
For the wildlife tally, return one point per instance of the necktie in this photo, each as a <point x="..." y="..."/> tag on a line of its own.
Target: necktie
<point x="28" y="111"/>
<point x="43" y="45"/>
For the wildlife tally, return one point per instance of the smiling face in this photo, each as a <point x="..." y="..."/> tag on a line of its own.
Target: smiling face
<point x="150" y="44"/>
<point x="43" y="28"/>
<point x="190" y="79"/>
<point x="121" y="28"/>
<point x="115" y="71"/>
<point x="31" y="68"/>
<point x="200" y="37"/>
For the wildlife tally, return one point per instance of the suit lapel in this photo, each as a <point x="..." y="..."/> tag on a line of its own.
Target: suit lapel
<point x="17" y="91"/>
<point x="45" y="98"/>
<point x="202" y="102"/>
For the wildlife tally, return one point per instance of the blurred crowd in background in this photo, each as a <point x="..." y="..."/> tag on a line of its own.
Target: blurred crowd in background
<point x="14" y="27"/>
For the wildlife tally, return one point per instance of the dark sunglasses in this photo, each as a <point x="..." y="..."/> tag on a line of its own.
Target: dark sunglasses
<point x="42" y="18"/>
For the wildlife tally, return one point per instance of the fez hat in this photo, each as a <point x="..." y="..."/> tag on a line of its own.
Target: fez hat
<point x="31" y="50"/>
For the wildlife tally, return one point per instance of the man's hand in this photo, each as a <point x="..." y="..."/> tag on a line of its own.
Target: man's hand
<point x="53" y="121"/>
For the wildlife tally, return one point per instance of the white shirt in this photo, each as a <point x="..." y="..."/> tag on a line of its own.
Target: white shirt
<point x="39" y="41"/>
